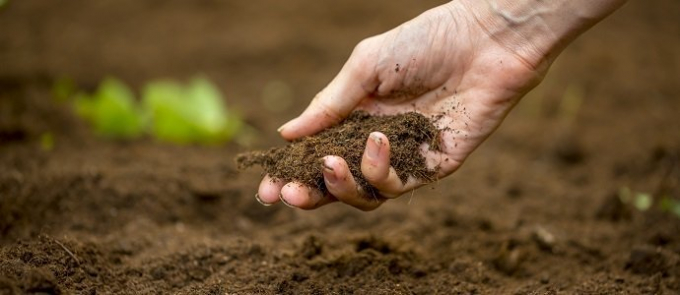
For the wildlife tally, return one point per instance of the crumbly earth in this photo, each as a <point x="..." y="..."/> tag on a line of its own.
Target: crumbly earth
<point x="301" y="160"/>
<point x="535" y="210"/>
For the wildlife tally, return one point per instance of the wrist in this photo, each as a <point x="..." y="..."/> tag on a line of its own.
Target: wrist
<point x="536" y="31"/>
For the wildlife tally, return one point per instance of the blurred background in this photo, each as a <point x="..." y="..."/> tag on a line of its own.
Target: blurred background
<point x="268" y="59"/>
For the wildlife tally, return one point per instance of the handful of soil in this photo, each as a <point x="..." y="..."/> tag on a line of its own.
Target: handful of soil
<point x="301" y="160"/>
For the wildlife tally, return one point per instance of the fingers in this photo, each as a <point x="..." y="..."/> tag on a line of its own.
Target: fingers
<point x="335" y="101"/>
<point x="292" y="194"/>
<point x="268" y="192"/>
<point x="375" y="166"/>
<point x="339" y="181"/>
<point x="297" y="195"/>
<point x="329" y="107"/>
<point x="341" y="184"/>
<point x="376" y="169"/>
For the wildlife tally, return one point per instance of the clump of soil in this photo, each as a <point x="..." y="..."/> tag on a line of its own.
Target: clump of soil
<point x="301" y="160"/>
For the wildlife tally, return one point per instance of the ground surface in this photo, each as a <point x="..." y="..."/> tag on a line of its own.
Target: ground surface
<point x="532" y="211"/>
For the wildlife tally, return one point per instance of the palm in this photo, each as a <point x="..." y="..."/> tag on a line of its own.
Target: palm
<point x="459" y="77"/>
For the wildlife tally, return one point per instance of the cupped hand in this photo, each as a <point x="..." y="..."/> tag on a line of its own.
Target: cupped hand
<point x="443" y="64"/>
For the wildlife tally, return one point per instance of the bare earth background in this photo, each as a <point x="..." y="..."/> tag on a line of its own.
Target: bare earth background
<point x="534" y="210"/>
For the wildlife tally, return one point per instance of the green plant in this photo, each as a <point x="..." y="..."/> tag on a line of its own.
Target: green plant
<point x="189" y="113"/>
<point x="112" y="110"/>
<point x="639" y="200"/>
<point x="671" y="205"/>
<point x="169" y="111"/>
<point x="63" y="88"/>
<point x="644" y="201"/>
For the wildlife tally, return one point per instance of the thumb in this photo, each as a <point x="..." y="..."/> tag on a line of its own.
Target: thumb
<point x="332" y="104"/>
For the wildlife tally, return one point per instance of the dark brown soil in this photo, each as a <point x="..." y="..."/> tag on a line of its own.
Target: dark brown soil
<point x="534" y="211"/>
<point x="302" y="159"/>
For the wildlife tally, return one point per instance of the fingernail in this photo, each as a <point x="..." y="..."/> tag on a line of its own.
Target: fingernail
<point x="257" y="197"/>
<point x="328" y="173"/>
<point x="373" y="146"/>
<point x="282" y="127"/>
<point x="285" y="202"/>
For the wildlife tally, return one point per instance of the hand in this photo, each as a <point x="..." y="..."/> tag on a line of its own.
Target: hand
<point x="444" y="62"/>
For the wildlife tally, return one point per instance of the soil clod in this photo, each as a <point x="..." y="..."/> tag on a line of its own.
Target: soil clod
<point x="648" y="260"/>
<point x="300" y="160"/>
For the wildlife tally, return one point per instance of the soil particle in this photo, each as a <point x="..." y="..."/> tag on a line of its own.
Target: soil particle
<point x="301" y="160"/>
<point x="612" y="209"/>
<point x="509" y="258"/>
<point x="311" y="247"/>
<point x="649" y="260"/>
<point x="567" y="150"/>
<point x="44" y="266"/>
<point x="545" y="240"/>
<point x="209" y="289"/>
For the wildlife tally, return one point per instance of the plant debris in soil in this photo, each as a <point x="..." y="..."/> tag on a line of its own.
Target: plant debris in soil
<point x="301" y="160"/>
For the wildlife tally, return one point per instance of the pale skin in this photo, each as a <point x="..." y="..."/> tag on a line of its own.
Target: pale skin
<point x="466" y="63"/>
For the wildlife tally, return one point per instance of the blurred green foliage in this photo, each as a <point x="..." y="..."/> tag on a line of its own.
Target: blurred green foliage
<point x="669" y="204"/>
<point x="63" y="88"/>
<point x="643" y="201"/>
<point x="169" y="111"/>
<point x="189" y="113"/>
<point x="112" y="110"/>
<point x="3" y="3"/>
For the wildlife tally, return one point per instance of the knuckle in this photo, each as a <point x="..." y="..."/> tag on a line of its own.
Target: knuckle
<point x="362" y="53"/>
<point x="363" y="45"/>
<point x="329" y="111"/>
<point x="374" y="175"/>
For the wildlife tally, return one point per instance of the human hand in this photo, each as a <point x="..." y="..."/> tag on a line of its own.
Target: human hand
<point x="448" y="62"/>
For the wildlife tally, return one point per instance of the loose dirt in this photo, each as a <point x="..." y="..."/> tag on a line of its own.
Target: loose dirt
<point x="535" y="210"/>
<point x="301" y="160"/>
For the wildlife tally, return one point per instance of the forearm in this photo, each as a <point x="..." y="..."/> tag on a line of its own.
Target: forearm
<point x="537" y="30"/>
